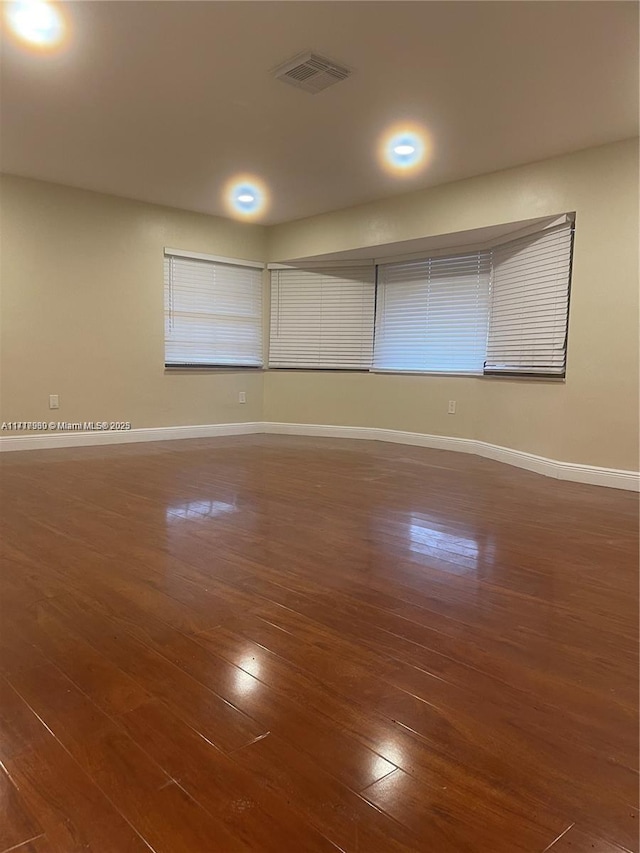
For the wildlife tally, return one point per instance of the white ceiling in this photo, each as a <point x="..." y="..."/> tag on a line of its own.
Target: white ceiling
<point x="164" y="101"/>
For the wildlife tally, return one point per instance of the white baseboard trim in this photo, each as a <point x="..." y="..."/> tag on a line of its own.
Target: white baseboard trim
<point x="578" y="473"/>
<point x="50" y="440"/>
<point x="612" y="477"/>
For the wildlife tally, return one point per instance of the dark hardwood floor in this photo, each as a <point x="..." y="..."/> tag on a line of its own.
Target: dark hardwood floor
<point x="291" y="644"/>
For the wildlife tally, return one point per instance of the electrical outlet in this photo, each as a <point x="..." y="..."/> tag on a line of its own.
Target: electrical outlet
<point x="242" y="397"/>
<point x="54" y="401"/>
<point x="452" y="407"/>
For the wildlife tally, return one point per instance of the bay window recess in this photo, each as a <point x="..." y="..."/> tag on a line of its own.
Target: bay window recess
<point x="497" y="310"/>
<point x="501" y="309"/>
<point x="212" y="310"/>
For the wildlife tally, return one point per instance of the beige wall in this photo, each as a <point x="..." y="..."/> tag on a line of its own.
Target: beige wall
<point x="81" y="310"/>
<point x="592" y="418"/>
<point x="81" y="307"/>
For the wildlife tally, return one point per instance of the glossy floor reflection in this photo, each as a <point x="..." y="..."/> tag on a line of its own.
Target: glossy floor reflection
<point x="292" y="644"/>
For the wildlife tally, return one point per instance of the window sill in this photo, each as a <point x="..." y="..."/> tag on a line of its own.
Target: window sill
<point x="306" y="369"/>
<point x="525" y="377"/>
<point x="383" y="371"/>
<point x="502" y="377"/>
<point x="211" y="368"/>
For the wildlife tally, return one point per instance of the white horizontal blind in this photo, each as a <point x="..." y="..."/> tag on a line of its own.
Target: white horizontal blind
<point x="432" y="314"/>
<point x="322" y="319"/>
<point x="213" y="313"/>
<point x="529" y="304"/>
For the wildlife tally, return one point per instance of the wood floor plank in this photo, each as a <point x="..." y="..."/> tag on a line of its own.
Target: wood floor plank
<point x="74" y="815"/>
<point x="343" y="755"/>
<point x="576" y="841"/>
<point x="431" y="813"/>
<point x="97" y="675"/>
<point x="493" y="674"/>
<point x="20" y="728"/>
<point x="17" y="825"/>
<point x="447" y="753"/>
<point x="59" y="706"/>
<point x="457" y="725"/>
<point x="216" y="719"/>
<point x="146" y="794"/>
<point x="399" y="634"/>
<point x="331" y="657"/>
<point x="339" y="813"/>
<point x="270" y="642"/>
<point x="160" y="810"/>
<point x="263" y="821"/>
<point x="38" y="845"/>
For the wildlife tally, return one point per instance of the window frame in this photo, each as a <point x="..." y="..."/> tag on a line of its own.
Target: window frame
<point x="187" y="366"/>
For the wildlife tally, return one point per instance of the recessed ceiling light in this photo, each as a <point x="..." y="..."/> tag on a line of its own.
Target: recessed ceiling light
<point x="36" y="22"/>
<point x="404" y="148"/>
<point x="245" y="196"/>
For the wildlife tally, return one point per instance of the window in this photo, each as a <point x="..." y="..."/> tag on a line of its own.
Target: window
<point x="497" y="310"/>
<point x="530" y="304"/>
<point x="322" y="318"/>
<point x="432" y="314"/>
<point x="213" y="311"/>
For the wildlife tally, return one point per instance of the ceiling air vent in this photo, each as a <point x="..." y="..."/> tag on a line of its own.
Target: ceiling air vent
<point x="311" y="72"/>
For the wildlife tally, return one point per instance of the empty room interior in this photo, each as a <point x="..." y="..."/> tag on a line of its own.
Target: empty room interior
<point x="319" y="401"/>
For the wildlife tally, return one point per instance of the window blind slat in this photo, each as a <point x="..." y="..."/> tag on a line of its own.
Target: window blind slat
<point x="213" y="313"/>
<point x="322" y="319"/>
<point x="432" y="314"/>
<point x="530" y="304"/>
